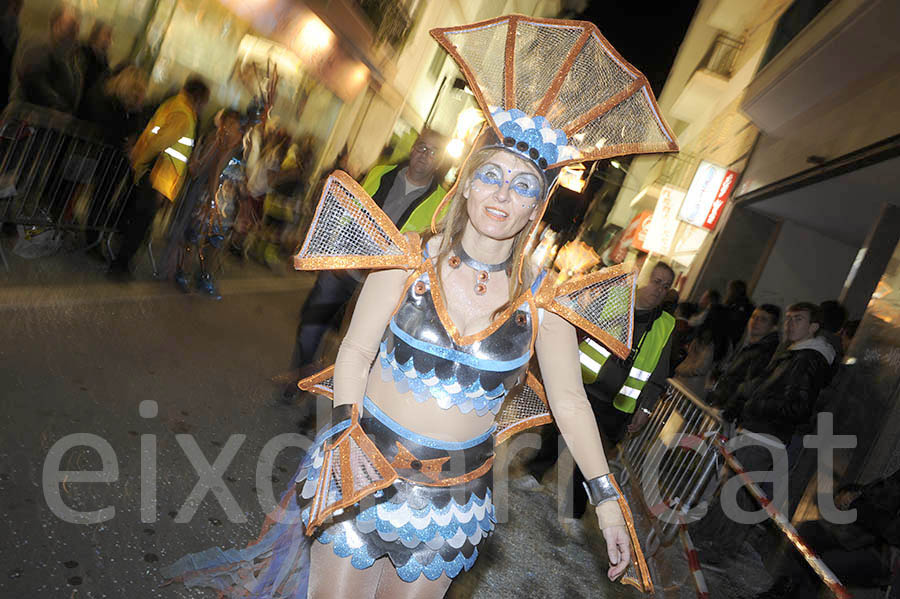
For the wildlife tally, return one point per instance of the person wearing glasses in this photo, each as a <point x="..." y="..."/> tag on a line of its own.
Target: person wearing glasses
<point x="409" y="193"/>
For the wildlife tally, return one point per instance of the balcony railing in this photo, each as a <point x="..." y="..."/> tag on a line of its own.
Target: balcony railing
<point x="391" y="20"/>
<point x="722" y="55"/>
<point x="677" y="169"/>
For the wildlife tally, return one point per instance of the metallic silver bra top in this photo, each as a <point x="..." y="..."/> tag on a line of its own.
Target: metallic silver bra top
<point x="420" y="356"/>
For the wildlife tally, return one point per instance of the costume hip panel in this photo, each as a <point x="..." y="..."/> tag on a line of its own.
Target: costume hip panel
<point x="430" y="520"/>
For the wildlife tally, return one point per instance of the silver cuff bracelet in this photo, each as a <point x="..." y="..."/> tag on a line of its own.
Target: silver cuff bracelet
<point x="600" y="489"/>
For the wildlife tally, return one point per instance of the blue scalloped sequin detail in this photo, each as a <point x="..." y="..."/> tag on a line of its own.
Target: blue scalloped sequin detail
<point x="411" y="537"/>
<point x="411" y="570"/>
<point x="473" y="397"/>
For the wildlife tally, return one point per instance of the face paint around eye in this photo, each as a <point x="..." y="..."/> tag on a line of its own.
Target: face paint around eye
<point x="526" y="186"/>
<point x="489" y="175"/>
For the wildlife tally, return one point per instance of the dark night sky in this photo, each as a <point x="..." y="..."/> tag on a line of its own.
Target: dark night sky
<point x="646" y="32"/>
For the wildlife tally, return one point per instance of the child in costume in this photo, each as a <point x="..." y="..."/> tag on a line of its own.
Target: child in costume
<point x="432" y="373"/>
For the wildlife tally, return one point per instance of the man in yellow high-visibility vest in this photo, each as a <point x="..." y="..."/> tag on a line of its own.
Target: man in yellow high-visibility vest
<point x="159" y="164"/>
<point x="409" y="193"/>
<point x="624" y="392"/>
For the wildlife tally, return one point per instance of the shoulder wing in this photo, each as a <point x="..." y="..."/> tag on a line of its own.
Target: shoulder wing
<point x="601" y="303"/>
<point x="349" y="230"/>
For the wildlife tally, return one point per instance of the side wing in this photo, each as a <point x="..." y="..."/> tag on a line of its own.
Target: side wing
<point x="525" y="408"/>
<point x="349" y="230"/>
<point x="600" y="303"/>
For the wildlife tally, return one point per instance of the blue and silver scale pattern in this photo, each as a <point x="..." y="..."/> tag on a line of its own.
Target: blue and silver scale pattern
<point x="420" y="356"/>
<point x="424" y="530"/>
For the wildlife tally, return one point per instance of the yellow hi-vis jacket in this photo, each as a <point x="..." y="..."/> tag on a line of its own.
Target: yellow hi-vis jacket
<point x="169" y="139"/>
<point x="419" y="219"/>
<point x="593" y="356"/>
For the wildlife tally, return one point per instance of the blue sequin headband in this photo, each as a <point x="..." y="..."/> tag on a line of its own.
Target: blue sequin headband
<point x="533" y="137"/>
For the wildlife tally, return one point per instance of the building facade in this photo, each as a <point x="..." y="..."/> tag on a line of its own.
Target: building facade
<point x="797" y="99"/>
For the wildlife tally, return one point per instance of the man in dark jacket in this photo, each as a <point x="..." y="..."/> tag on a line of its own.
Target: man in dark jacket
<point x="859" y="554"/>
<point x="784" y="397"/>
<point x="751" y="357"/>
<point x="50" y="73"/>
<point x="771" y="408"/>
<point x="400" y="190"/>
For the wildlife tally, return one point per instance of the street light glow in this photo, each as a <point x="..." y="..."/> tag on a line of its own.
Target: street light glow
<point x="455" y="148"/>
<point x="314" y="37"/>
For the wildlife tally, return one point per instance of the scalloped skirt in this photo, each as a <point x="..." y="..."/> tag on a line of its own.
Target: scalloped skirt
<point x="425" y="529"/>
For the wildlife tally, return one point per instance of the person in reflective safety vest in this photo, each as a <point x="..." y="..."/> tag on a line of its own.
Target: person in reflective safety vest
<point x="627" y="390"/>
<point x="159" y="164"/>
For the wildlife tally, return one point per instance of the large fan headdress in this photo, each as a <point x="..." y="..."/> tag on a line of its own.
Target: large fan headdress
<point x="556" y="91"/>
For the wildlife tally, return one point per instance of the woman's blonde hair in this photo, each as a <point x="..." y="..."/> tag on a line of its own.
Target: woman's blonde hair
<point x="452" y="225"/>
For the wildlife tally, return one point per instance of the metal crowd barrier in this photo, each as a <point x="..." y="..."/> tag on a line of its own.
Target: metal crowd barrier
<point x="59" y="173"/>
<point x="671" y="462"/>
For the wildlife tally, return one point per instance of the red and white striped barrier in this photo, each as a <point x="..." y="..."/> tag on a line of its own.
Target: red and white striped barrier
<point x="693" y="562"/>
<point x="821" y="570"/>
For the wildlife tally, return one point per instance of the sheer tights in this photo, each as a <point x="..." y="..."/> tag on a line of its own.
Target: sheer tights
<point x="332" y="576"/>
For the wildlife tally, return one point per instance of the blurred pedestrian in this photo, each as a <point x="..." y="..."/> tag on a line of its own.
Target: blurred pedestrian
<point x="94" y="58"/>
<point x="739" y="309"/>
<point x="670" y="302"/>
<point x="682" y="334"/>
<point x="750" y="358"/>
<point x="218" y="182"/>
<point x="49" y="73"/>
<point x="159" y="164"/>
<point x="9" y="39"/>
<point x="116" y="104"/>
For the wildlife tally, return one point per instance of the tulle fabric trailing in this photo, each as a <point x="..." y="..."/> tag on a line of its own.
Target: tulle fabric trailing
<point x="275" y="566"/>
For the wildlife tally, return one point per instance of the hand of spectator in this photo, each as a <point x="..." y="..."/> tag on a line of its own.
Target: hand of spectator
<point x="639" y="421"/>
<point x="844" y="499"/>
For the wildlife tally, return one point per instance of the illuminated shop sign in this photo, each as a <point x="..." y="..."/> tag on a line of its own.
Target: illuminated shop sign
<point x="707" y="194"/>
<point x="664" y="224"/>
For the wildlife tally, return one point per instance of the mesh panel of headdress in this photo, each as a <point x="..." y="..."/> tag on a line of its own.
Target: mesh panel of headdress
<point x="347" y="223"/>
<point x="567" y="72"/>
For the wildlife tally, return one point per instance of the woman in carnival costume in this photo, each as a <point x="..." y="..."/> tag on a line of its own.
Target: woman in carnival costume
<point x="394" y="497"/>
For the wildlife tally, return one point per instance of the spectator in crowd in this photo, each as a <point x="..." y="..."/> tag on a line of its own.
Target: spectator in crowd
<point x="9" y="39"/>
<point x="848" y="332"/>
<point x="682" y="335"/>
<point x="116" y="104"/>
<point x="212" y="201"/>
<point x="834" y="315"/>
<point x="751" y="357"/>
<point x="49" y="73"/>
<point x="409" y="193"/>
<point x="159" y="163"/>
<point x="710" y="345"/>
<point x="771" y="408"/>
<point x="860" y="554"/>
<point x="739" y="309"/>
<point x="670" y="303"/>
<point x="624" y="392"/>
<point x="710" y="298"/>
<point x="94" y="59"/>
